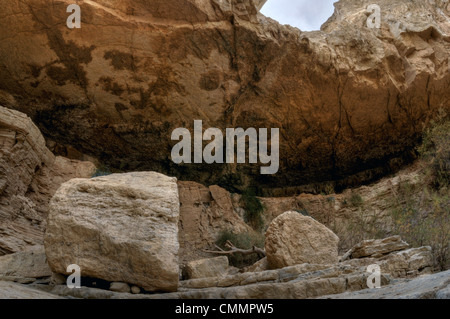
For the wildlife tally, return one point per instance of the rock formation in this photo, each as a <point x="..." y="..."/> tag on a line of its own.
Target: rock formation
<point x="294" y="239"/>
<point x="25" y="266"/>
<point x="435" y="286"/>
<point x="206" y="268"/>
<point x="299" y="282"/>
<point x="350" y="101"/>
<point x="120" y="228"/>
<point x="29" y="176"/>
<point x="377" y="248"/>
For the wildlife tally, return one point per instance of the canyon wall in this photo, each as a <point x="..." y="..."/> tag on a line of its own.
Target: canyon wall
<point x="351" y="102"/>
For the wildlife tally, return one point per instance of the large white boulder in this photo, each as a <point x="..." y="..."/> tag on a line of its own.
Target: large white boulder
<point x="294" y="239"/>
<point x="119" y="228"/>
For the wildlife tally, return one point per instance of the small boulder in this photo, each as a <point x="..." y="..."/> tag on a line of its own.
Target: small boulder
<point x="135" y="290"/>
<point x="119" y="287"/>
<point x="30" y="263"/>
<point x="119" y="228"/>
<point x="294" y="239"/>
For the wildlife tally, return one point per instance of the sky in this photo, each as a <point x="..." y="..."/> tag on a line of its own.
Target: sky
<point x="307" y="15"/>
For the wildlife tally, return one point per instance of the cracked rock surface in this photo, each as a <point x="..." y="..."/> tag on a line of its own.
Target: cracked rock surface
<point x="350" y="101"/>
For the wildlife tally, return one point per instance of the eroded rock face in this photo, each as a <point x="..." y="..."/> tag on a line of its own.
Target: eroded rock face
<point x="205" y="212"/>
<point x="29" y="176"/>
<point x="347" y="99"/>
<point x="120" y="228"/>
<point x="294" y="239"/>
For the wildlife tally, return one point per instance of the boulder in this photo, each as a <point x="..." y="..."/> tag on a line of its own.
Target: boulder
<point x="120" y="287"/>
<point x="376" y="247"/>
<point x="260" y="265"/>
<point x="30" y="263"/>
<point x="293" y="239"/>
<point x="206" y="268"/>
<point x="408" y="263"/>
<point x="10" y="290"/>
<point x="119" y="228"/>
<point x="135" y="290"/>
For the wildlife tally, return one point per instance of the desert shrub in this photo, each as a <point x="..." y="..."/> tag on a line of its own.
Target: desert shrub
<point x="356" y="200"/>
<point x="435" y="151"/>
<point x="253" y="210"/>
<point x="419" y="213"/>
<point x="328" y="189"/>
<point x="422" y="218"/>
<point x="102" y="171"/>
<point x="362" y="225"/>
<point x="243" y="241"/>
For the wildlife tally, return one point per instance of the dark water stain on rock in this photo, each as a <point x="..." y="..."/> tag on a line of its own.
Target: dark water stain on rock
<point x="121" y="60"/>
<point x="210" y="81"/>
<point x="70" y="55"/>
<point x="120" y="107"/>
<point x="109" y="85"/>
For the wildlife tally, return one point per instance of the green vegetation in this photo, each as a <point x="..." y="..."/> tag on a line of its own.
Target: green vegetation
<point x="243" y="241"/>
<point x="253" y="210"/>
<point x="419" y="212"/>
<point x="422" y="218"/>
<point x="104" y="170"/>
<point x="435" y="152"/>
<point x="356" y="200"/>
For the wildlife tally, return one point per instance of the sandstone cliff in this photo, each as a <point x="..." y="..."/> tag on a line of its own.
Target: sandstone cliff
<point x="350" y="101"/>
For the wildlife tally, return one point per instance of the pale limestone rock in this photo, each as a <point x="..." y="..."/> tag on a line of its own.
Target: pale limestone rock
<point x="135" y="290"/>
<point x="10" y="290"/>
<point x="379" y="247"/>
<point x="30" y="263"/>
<point x="408" y="263"/>
<point x="205" y="268"/>
<point x="120" y="287"/>
<point x="204" y="213"/>
<point x="122" y="227"/>
<point x="293" y="239"/>
<point x="300" y="281"/>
